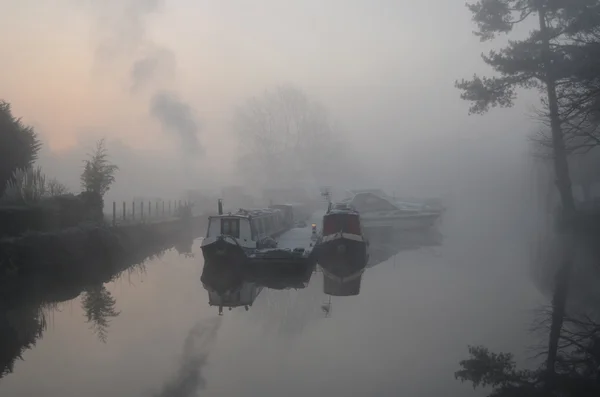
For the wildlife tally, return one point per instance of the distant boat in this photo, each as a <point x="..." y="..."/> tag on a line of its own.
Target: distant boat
<point x="377" y="210"/>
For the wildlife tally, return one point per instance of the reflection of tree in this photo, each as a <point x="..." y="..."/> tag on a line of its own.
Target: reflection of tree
<point x="99" y="306"/>
<point x="576" y="369"/>
<point x="19" y="330"/>
<point x="572" y="365"/>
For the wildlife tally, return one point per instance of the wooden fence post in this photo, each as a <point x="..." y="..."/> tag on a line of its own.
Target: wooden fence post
<point x="142" y="207"/>
<point x="124" y="212"/>
<point x="114" y="213"/>
<point x="133" y="210"/>
<point x="156" y="212"/>
<point x="149" y="210"/>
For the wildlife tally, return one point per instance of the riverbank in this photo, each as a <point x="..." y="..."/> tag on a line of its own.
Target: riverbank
<point x="64" y="260"/>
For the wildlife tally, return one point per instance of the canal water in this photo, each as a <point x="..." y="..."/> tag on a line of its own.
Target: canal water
<point x="152" y="332"/>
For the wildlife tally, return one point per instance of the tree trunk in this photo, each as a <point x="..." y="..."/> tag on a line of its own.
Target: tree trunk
<point x="563" y="183"/>
<point x="561" y="166"/>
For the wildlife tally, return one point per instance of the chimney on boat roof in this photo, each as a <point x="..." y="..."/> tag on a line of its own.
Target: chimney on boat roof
<point x="220" y="206"/>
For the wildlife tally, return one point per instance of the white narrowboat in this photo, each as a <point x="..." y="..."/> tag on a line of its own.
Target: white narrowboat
<point x="241" y="233"/>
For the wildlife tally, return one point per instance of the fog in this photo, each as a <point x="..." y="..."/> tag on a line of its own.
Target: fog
<point x="164" y="79"/>
<point x="201" y="95"/>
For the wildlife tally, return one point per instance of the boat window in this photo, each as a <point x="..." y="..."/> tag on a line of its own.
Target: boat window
<point x="230" y="227"/>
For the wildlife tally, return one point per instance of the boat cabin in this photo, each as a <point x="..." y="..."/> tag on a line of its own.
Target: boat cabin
<point x="341" y="218"/>
<point x="247" y="226"/>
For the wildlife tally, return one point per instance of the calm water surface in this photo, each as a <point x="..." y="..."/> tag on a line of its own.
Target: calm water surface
<point x="402" y="335"/>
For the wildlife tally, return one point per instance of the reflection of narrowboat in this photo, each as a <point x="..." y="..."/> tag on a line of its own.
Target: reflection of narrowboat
<point x="227" y="286"/>
<point x="238" y="234"/>
<point x="342" y="248"/>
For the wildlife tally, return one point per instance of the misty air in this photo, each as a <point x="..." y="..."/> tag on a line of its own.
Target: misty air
<point x="308" y="198"/>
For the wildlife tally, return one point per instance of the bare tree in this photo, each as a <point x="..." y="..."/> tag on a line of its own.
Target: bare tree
<point x="284" y="135"/>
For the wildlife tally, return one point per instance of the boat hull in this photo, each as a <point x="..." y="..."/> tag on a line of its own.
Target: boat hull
<point x="342" y="256"/>
<point x="223" y="251"/>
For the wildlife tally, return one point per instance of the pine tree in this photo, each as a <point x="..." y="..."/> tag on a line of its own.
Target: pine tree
<point x="550" y="60"/>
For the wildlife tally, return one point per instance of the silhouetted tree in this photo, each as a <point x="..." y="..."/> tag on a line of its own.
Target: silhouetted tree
<point x="549" y="60"/>
<point x="577" y="366"/>
<point x="99" y="306"/>
<point x="99" y="173"/>
<point x="19" y="331"/>
<point x="19" y="145"/>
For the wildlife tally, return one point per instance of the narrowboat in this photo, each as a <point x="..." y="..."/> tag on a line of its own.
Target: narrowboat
<point x="292" y="213"/>
<point x="342" y="247"/>
<point x="236" y="235"/>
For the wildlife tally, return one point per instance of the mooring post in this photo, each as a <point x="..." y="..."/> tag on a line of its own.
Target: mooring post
<point x="114" y="213"/>
<point x="124" y="211"/>
<point x="133" y="210"/>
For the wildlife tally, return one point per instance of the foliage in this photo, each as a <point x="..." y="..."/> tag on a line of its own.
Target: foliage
<point x="56" y="188"/>
<point x="571" y="62"/>
<point x="19" y="145"/>
<point x="577" y="365"/>
<point x="99" y="173"/>
<point x="29" y="185"/>
<point x="19" y="331"/>
<point x="99" y="306"/>
<point x="560" y="58"/>
<point x="26" y="185"/>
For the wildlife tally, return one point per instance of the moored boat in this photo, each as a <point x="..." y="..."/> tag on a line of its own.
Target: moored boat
<point x="380" y="211"/>
<point x="236" y="235"/>
<point x="342" y="247"/>
<point x="293" y="213"/>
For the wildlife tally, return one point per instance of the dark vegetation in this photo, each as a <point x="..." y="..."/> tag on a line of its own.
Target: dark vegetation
<point x="26" y="301"/>
<point x="56" y="246"/>
<point x="560" y="59"/>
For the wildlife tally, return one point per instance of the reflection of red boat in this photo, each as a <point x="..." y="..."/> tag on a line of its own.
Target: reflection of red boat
<point x="342" y="249"/>
<point x="342" y="286"/>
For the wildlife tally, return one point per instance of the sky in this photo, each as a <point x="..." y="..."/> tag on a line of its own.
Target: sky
<point x="385" y="69"/>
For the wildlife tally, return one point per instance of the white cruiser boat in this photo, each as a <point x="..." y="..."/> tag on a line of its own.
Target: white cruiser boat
<point x="377" y="210"/>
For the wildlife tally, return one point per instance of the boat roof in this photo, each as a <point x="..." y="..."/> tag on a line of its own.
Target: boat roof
<point x="378" y="192"/>
<point x="342" y="208"/>
<point x="250" y="213"/>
